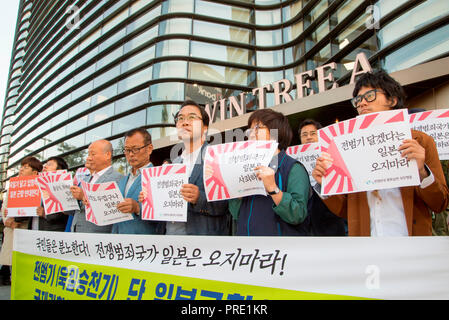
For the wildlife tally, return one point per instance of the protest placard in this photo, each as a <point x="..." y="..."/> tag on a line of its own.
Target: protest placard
<point x="307" y="155"/>
<point x="56" y="195"/>
<point x="23" y="197"/>
<point x="81" y="174"/>
<point x="102" y="201"/>
<point x="436" y="124"/>
<point x="162" y="185"/>
<point x="233" y="167"/>
<point x="364" y="150"/>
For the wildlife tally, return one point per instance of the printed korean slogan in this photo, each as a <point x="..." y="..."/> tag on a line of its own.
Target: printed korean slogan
<point x="365" y="153"/>
<point x="24" y="197"/>
<point x="436" y="124"/>
<point x="163" y="200"/>
<point x="307" y="155"/>
<point x="58" y="265"/>
<point x="102" y="201"/>
<point x="56" y="195"/>
<point x="232" y="165"/>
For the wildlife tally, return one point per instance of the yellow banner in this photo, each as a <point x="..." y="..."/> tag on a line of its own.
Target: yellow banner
<point x="40" y="278"/>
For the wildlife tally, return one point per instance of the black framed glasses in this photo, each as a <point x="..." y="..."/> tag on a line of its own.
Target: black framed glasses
<point x="369" y="96"/>
<point x="133" y="150"/>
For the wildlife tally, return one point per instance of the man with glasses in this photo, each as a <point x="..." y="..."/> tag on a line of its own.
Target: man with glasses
<point x="323" y="222"/>
<point x="137" y="150"/>
<point x="401" y="211"/>
<point x="203" y="217"/>
<point x="99" y="162"/>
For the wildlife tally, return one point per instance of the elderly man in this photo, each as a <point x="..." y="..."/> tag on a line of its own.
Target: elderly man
<point x="99" y="162"/>
<point x="137" y="150"/>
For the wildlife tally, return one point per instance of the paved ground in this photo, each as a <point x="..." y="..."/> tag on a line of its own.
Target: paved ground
<point x="5" y="292"/>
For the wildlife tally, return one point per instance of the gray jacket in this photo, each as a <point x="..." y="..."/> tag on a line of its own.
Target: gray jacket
<point x="79" y="223"/>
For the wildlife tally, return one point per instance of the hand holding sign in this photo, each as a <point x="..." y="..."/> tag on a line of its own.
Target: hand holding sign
<point x="129" y="206"/>
<point x="411" y="149"/>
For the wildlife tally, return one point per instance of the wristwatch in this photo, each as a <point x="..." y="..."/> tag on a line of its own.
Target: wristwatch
<point x="275" y="191"/>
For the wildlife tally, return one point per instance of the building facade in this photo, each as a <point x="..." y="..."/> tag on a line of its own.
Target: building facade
<point x="83" y="70"/>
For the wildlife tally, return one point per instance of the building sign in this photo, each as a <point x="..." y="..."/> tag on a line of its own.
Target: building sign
<point x="236" y="106"/>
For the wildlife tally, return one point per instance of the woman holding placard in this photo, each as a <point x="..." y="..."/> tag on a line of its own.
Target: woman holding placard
<point x="56" y="221"/>
<point x="283" y="211"/>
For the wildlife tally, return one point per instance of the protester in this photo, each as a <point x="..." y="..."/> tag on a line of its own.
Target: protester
<point x="30" y="166"/>
<point x="203" y="217"/>
<point x="322" y="221"/>
<point x="99" y="162"/>
<point x="396" y="211"/>
<point x="308" y="131"/>
<point x="283" y="212"/>
<point x="56" y="221"/>
<point x="137" y="150"/>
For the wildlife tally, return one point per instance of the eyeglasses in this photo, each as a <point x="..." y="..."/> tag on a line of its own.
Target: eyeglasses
<point x="133" y="150"/>
<point x="369" y="96"/>
<point x="256" y="128"/>
<point x="189" y="118"/>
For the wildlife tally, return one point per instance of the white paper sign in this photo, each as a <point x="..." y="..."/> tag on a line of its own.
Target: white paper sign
<point x="365" y="154"/>
<point x="164" y="201"/>
<point x="436" y="124"/>
<point x="103" y="199"/>
<point x="55" y="190"/>
<point x="307" y="155"/>
<point x="233" y="168"/>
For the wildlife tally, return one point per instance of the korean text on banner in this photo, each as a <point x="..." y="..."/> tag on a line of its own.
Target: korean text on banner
<point x="61" y="265"/>
<point x="307" y="155"/>
<point x="23" y="197"/>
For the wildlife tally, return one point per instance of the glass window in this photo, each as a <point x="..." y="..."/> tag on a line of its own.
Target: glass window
<point x="134" y="120"/>
<point x="172" y="6"/>
<point x="290" y="11"/>
<point x="321" y="31"/>
<point x="160" y="132"/>
<point x="114" y="21"/>
<point x="170" y="69"/>
<point x="161" y="114"/>
<point x="223" y="32"/>
<point x="293" y="31"/>
<point x="78" y="124"/>
<point x="113" y="39"/>
<point x="219" y="74"/>
<point x="386" y="6"/>
<point x="268" y="17"/>
<point x="221" y="53"/>
<point x="104" y="95"/>
<point x="73" y="143"/>
<point x="101" y="114"/>
<point x="143" y="19"/>
<point x="167" y="91"/>
<point x="81" y="74"/>
<point x="269" y="58"/>
<point x="140" y="39"/>
<point x="61" y="117"/>
<point x="178" y="47"/>
<point x="113" y="55"/>
<point x="175" y="25"/>
<point x="135" y="79"/>
<point x="294" y="53"/>
<point x="264" y="78"/>
<point x="268" y="37"/>
<point x="344" y="10"/>
<point x="349" y="34"/>
<point x="132" y="101"/>
<point x="106" y="76"/>
<point x="138" y="59"/>
<point x="101" y="132"/>
<point x="412" y="20"/>
<point x="85" y="88"/>
<point x="425" y="48"/>
<point x="223" y="11"/>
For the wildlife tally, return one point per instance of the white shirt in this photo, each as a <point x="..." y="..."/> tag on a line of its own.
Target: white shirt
<point x="98" y="174"/>
<point x="387" y="216"/>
